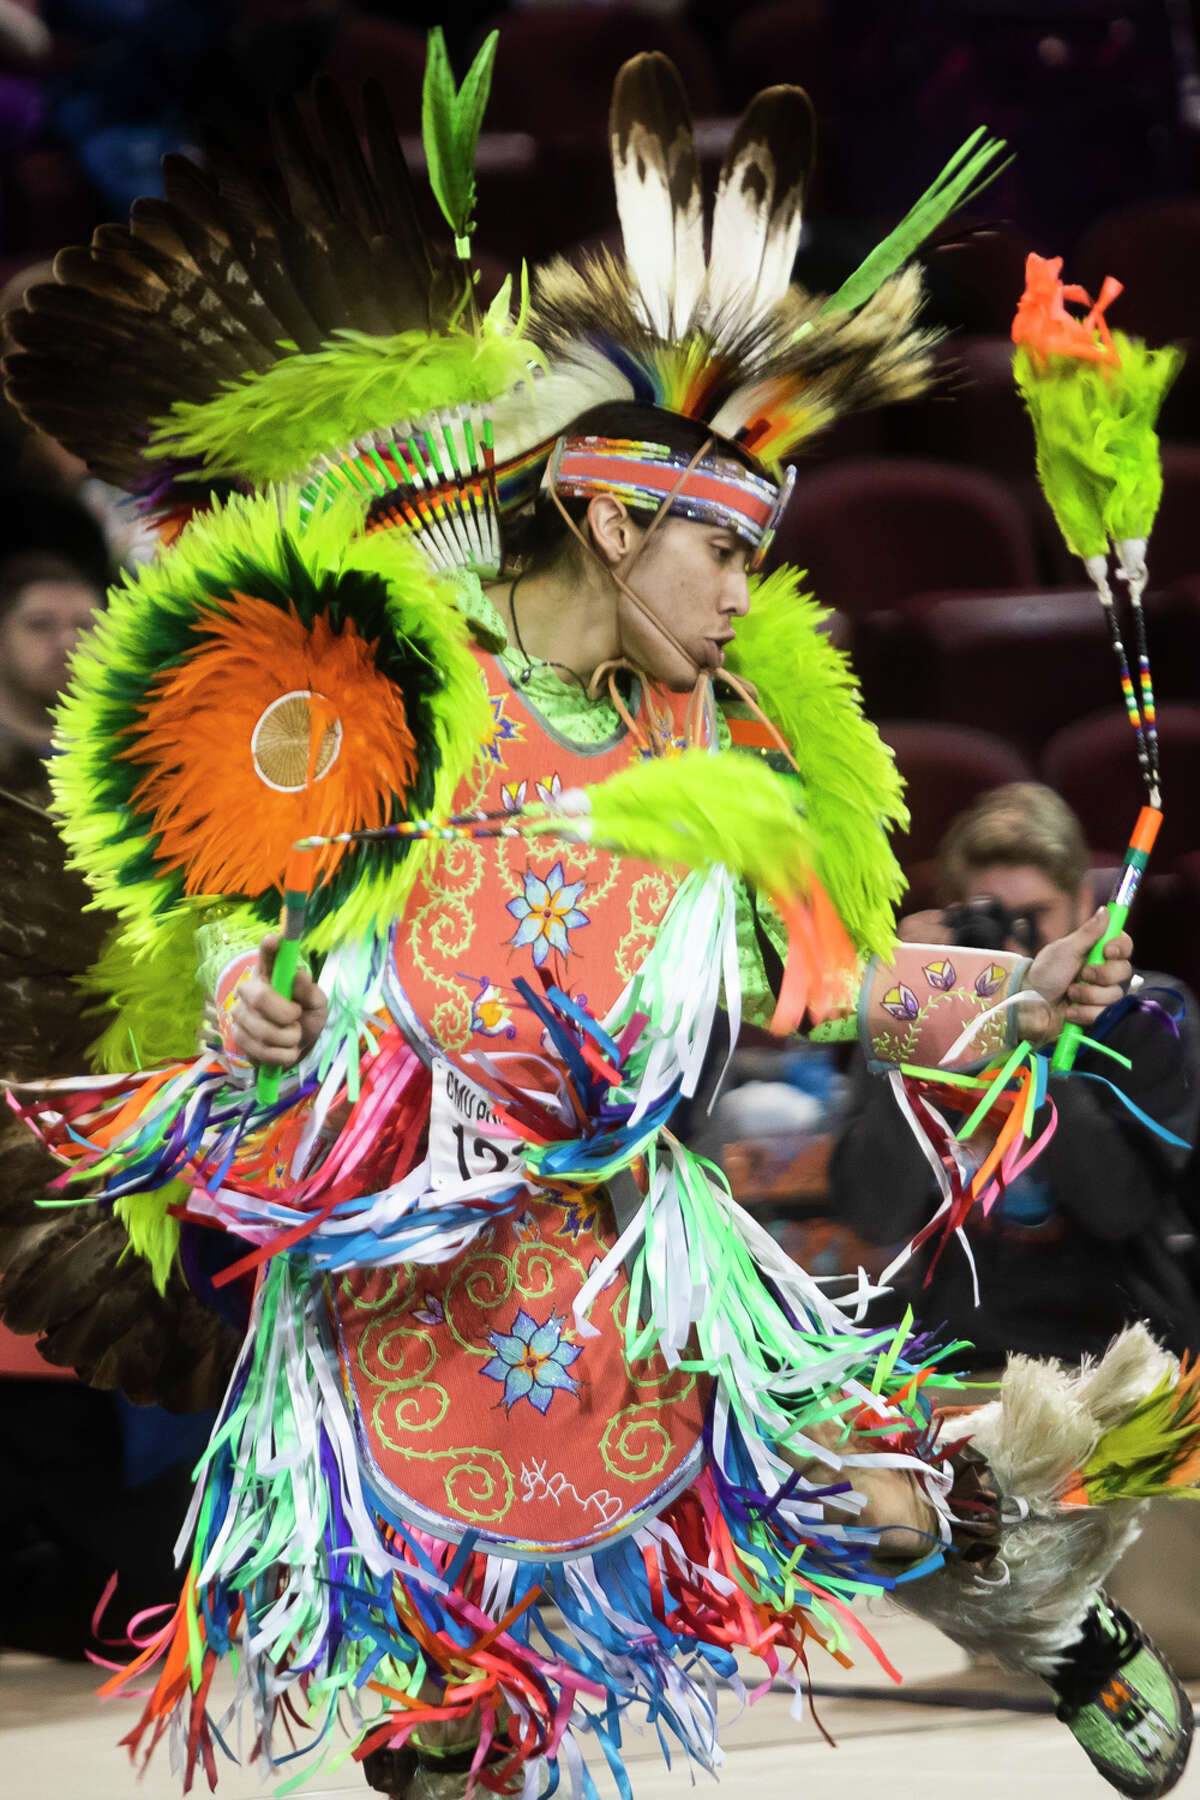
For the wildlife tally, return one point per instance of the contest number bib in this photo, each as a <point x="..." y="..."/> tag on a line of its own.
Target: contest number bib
<point x="466" y="1139"/>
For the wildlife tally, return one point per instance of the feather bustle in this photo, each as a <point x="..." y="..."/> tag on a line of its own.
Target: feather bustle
<point x="219" y="281"/>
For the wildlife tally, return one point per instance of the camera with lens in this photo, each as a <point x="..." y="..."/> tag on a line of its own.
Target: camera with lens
<point x="985" y="923"/>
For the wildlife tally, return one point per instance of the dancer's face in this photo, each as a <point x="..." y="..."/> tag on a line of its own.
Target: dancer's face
<point x="692" y="578"/>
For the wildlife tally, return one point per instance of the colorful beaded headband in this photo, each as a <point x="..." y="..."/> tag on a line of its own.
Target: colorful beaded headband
<point x="718" y="490"/>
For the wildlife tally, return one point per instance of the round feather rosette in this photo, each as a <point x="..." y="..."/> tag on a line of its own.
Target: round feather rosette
<point x="262" y="682"/>
<point x="269" y="727"/>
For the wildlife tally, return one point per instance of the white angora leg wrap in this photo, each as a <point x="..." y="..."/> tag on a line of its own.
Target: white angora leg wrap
<point x="1027" y="1606"/>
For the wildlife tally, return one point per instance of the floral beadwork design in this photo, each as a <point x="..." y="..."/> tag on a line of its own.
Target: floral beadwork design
<point x="901" y="1002"/>
<point x="491" y="1013"/>
<point x="532" y="1362"/>
<point x="586" y="1210"/>
<point x="933" y="996"/>
<point x="990" y="980"/>
<point x="546" y="910"/>
<point x="503" y="729"/>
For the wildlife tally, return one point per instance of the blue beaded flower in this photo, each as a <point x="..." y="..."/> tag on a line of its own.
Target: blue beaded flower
<point x="545" y="912"/>
<point x="532" y="1361"/>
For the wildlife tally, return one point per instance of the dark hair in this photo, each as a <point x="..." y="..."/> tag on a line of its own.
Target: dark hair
<point x="47" y="536"/>
<point x="537" y="535"/>
<point x="18" y="573"/>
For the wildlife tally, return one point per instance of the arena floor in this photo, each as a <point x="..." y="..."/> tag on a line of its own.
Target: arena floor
<point x="55" y="1740"/>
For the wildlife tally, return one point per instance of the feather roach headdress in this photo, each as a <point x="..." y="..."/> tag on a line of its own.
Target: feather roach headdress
<point x="304" y="330"/>
<point x="724" y="337"/>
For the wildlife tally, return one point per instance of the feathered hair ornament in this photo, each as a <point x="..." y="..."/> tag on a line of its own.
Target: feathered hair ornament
<point x="724" y="337"/>
<point x="304" y="330"/>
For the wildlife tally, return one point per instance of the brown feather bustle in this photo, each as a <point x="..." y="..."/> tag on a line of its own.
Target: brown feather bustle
<point x="67" y="1275"/>
<point x="220" y="280"/>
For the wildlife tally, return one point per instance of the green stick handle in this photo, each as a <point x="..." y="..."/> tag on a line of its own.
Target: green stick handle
<point x="287" y="961"/>
<point x="1071" y="1035"/>
<point x="1136" y="858"/>
<point x="297" y="885"/>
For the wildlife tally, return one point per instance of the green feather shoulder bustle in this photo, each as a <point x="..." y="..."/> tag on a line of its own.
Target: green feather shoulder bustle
<point x="853" y="791"/>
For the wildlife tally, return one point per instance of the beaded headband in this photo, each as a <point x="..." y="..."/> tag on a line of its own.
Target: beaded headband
<point x="717" y="490"/>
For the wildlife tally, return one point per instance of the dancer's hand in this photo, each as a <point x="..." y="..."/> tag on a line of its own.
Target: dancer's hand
<point x="1071" y="991"/>
<point x="266" y="1027"/>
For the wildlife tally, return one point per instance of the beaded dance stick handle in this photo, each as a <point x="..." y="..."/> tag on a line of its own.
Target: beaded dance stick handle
<point x="1131" y="555"/>
<point x="1139" y="706"/>
<point x="1132" y="870"/>
<point x="1139" y="702"/>
<point x="297" y="888"/>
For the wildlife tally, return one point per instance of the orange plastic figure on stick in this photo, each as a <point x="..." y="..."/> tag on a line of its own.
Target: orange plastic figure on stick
<point x="1045" y="326"/>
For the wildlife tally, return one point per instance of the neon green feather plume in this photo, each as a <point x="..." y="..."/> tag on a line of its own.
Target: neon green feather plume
<point x="699" y="809"/>
<point x="853" y="794"/>
<point x="1154" y="1451"/>
<point x="271" y="427"/>
<point x="1097" y="448"/>
<point x="155" y="1006"/>
<point x="968" y="172"/>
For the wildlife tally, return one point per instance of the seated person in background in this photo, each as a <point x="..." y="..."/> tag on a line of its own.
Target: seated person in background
<point x="1091" y="1238"/>
<point x="53" y="572"/>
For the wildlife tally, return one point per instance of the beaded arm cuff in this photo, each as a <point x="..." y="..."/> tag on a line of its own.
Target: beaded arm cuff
<point x="913" y="1008"/>
<point x="224" y="959"/>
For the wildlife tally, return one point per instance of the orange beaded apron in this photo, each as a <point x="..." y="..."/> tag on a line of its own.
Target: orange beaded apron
<point x="477" y="1406"/>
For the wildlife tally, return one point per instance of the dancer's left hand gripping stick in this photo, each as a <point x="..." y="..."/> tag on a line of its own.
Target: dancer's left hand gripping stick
<point x="1132" y="870"/>
<point x="297" y="886"/>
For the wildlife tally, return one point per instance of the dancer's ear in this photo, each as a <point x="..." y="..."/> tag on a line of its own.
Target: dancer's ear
<point x="613" y="532"/>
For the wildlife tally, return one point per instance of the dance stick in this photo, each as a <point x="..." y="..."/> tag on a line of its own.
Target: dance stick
<point x="1132" y="870"/>
<point x="297" y="885"/>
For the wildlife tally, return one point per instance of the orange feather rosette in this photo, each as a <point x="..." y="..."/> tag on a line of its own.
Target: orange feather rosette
<point x="268" y="731"/>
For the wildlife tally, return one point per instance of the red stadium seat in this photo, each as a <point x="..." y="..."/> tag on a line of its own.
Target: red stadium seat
<point x="1021" y="665"/>
<point x="875" y="533"/>
<point x="944" y="768"/>
<point x="1154" y="249"/>
<point x="1093" y="766"/>
<point x="974" y="416"/>
<point x="367" y="48"/>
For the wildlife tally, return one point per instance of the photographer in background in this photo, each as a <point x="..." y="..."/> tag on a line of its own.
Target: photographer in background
<point x="1090" y="1239"/>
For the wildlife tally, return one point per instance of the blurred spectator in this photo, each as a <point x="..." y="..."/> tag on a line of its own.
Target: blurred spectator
<point x="53" y="572"/>
<point x="24" y="37"/>
<point x="1090" y="1238"/>
<point x="45" y="607"/>
<point x="124" y="82"/>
